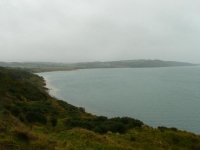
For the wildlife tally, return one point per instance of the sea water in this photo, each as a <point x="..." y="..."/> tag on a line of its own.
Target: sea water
<point x="157" y="96"/>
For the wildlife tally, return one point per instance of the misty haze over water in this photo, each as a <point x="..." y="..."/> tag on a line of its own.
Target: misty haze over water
<point x="93" y="30"/>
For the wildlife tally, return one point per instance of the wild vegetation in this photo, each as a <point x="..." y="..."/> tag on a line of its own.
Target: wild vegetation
<point x="31" y="119"/>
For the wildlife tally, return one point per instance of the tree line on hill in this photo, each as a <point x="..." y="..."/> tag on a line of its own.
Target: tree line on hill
<point x="49" y="66"/>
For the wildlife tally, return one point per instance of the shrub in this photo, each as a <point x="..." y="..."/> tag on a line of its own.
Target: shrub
<point x="21" y="118"/>
<point x="132" y="138"/>
<point x="173" y="129"/>
<point x="15" y="110"/>
<point x="117" y="127"/>
<point x="101" y="119"/>
<point x="102" y="124"/>
<point x="82" y="109"/>
<point x="21" y="136"/>
<point x="36" y="117"/>
<point x="54" y="121"/>
<point x="162" y="128"/>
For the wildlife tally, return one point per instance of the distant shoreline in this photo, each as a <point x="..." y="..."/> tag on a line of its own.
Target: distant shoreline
<point x="38" y="67"/>
<point x="57" y="70"/>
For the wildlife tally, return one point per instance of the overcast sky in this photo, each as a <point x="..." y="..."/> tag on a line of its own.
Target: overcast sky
<point x="99" y="30"/>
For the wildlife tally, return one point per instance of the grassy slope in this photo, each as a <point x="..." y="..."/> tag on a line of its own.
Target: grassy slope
<point x="26" y="112"/>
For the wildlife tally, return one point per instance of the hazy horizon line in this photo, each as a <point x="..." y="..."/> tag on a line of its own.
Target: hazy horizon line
<point x="92" y="61"/>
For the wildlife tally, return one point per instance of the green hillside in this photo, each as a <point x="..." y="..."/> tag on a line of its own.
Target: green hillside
<point x="31" y="119"/>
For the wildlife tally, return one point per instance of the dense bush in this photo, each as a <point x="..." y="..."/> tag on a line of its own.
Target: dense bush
<point x="54" y="121"/>
<point x="102" y="124"/>
<point x="44" y="108"/>
<point x="15" y="110"/>
<point x="33" y="117"/>
<point x="21" y="83"/>
<point x="163" y="128"/>
<point x="67" y="106"/>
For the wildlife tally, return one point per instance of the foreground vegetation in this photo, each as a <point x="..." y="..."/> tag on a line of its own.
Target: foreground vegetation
<point x="31" y="119"/>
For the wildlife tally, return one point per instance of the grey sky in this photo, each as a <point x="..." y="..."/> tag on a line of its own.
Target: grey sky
<point x="99" y="30"/>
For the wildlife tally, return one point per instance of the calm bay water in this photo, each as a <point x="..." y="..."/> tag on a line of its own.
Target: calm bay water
<point x="157" y="96"/>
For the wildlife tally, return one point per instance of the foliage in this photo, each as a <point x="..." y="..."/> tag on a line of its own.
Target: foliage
<point x="28" y="113"/>
<point x="54" y="121"/>
<point x="162" y="128"/>
<point x="33" y="117"/>
<point x="15" y="110"/>
<point x="19" y="83"/>
<point x="103" y="125"/>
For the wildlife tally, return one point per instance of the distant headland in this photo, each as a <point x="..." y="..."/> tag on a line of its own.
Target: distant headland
<point x="53" y="66"/>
